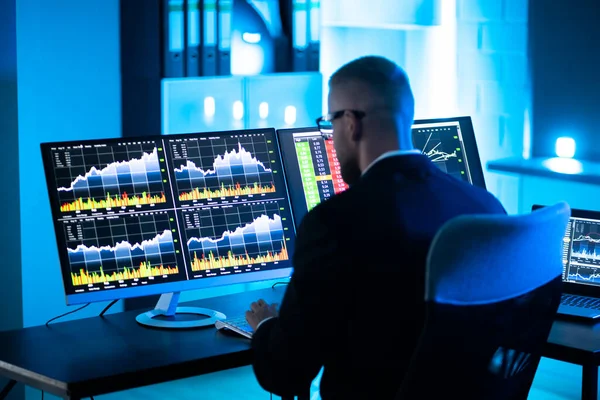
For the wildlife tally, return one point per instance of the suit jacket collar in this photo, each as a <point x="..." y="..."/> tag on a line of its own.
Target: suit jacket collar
<point x="390" y="154"/>
<point x="413" y="166"/>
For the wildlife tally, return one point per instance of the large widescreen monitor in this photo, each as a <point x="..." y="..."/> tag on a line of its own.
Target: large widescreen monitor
<point x="313" y="171"/>
<point x="164" y="214"/>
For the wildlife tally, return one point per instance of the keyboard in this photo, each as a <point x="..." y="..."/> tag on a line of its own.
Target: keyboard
<point x="237" y="325"/>
<point x="573" y="300"/>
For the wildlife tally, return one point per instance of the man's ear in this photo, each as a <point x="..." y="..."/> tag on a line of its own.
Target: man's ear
<point x="354" y="127"/>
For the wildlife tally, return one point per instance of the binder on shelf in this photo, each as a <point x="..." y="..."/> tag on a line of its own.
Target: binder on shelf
<point x="209" y="37"/>
<point x="193" y="36"/>
<point x="173" y="39"/>
<point x="314" y="45"/>
<point x="224" y="11"/>
<point x="299" y="35"/>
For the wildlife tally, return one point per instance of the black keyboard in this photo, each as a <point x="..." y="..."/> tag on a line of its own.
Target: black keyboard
<point x="237" y="324"/>
<point x="573" y="300"/>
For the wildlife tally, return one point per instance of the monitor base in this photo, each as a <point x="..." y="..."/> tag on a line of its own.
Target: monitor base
<point x="168" y="310"/>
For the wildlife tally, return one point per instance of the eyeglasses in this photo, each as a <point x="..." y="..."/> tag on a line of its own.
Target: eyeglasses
<point x="325" y="123"/>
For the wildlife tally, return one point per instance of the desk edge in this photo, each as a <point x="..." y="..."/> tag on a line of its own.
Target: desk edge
<point x="33" y="379"/>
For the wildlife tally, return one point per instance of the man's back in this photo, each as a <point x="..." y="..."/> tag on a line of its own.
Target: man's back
<point x="359" y="257"/>
<point x="380" y="231"/>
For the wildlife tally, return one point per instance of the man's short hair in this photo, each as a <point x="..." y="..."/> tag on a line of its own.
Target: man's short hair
<point x="388" y="82"/>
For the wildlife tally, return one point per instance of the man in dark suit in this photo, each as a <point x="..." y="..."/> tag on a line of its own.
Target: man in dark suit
<point x="360" y="256"/>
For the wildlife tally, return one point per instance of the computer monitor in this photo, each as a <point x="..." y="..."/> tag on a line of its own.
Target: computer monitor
<point x="164" y="214"/>
<point x="581" y="252"/>
<point x="310" y="162"/>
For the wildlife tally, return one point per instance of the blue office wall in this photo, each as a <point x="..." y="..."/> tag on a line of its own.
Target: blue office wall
<point x="68" y="89"/>
<point x="565" y="88"/>
<point x="11" y="315"/>
<point x="205" y="104"/>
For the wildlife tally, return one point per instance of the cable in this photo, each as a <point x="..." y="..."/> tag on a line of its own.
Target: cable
<point x="112" y="303"/>
<point x="67" y="313"/>
<point x="279" y="283"/>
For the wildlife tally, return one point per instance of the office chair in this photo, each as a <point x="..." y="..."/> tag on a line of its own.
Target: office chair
<point x="493" y="285"/>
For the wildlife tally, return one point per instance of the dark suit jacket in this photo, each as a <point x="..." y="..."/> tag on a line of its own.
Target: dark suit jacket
<point x="355" y="302"/>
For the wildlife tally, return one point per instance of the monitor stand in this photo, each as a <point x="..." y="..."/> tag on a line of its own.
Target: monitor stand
<point x="166" y="311"/>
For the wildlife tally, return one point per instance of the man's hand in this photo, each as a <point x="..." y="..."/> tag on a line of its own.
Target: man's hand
<point x="259" y="311"/>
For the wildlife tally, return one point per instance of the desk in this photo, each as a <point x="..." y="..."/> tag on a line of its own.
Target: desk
<point x="577" y="343"/>
<point x="93" y="356"/>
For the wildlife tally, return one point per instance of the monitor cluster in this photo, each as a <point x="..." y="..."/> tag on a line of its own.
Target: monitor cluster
<point x="130" y="215"/>
<point x="310" y="161"/>
<point x="164" y="214"/>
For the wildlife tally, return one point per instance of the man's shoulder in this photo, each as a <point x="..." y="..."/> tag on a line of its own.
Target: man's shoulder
<point x="340" y="202"/>
<point x="462" y="189"/>
<point x="488" y="200"/>
<point x="331" y="213"/>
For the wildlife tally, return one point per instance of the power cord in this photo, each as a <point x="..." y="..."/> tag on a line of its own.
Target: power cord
<point x="112" y="303"/>
<point x="67" y="313"/>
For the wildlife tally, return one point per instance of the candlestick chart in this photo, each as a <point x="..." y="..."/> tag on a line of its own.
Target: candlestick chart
<point x="136" y="247"/>
<point x="109" y="176"/>
<point x="235" y="166"/>
<point x="245" y="235"/>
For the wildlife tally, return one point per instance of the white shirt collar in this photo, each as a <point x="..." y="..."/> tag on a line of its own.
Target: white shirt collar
<point x="391" y="154"/>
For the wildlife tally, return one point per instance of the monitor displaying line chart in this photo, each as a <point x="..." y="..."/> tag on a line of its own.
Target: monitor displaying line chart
<point x="114" y="176"/>
<point x="169" y="213"/>
<point x="236" y="238"/>
<point x="122" y="250"/>
<point x="234" y="167"/>
<point x="442" y="143"/>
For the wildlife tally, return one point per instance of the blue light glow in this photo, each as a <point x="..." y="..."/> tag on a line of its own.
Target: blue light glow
<point x="246" y="58"/>
<point x="565" y="147"/>
<point x="290" y="115"/>
<point x="238" y="110"/>
<point x="251" y="38"/>
<point x="263" y="110"/>
<point x="568" y="166"/>
<point x="209" y="107"/>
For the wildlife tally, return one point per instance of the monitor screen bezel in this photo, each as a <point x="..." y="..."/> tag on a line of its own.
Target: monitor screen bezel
<point x="297" y="199"/>
<point x="154" y="289"/>
<point x="298" y="202"/>
<point x="570" y="287"/>
<point x="470" y="143"/>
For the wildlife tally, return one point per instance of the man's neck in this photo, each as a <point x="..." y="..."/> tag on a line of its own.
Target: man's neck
<point x="371" y="153"/>
<point x="370" y="161"/>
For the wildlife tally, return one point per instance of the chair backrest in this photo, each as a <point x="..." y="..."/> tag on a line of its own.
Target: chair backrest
<point x="493" y="286"/>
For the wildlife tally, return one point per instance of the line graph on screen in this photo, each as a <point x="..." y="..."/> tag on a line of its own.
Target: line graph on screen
<point x="122" y="248"/>
<point x="245" y="235"/>
<point x="586" y="242"/>
<point x="223" y="167"/>
<point x="442" y="145"/>
<point x="109" y="176"/>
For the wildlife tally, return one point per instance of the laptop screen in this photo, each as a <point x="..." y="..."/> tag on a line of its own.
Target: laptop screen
<point x="581" y="250"/>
